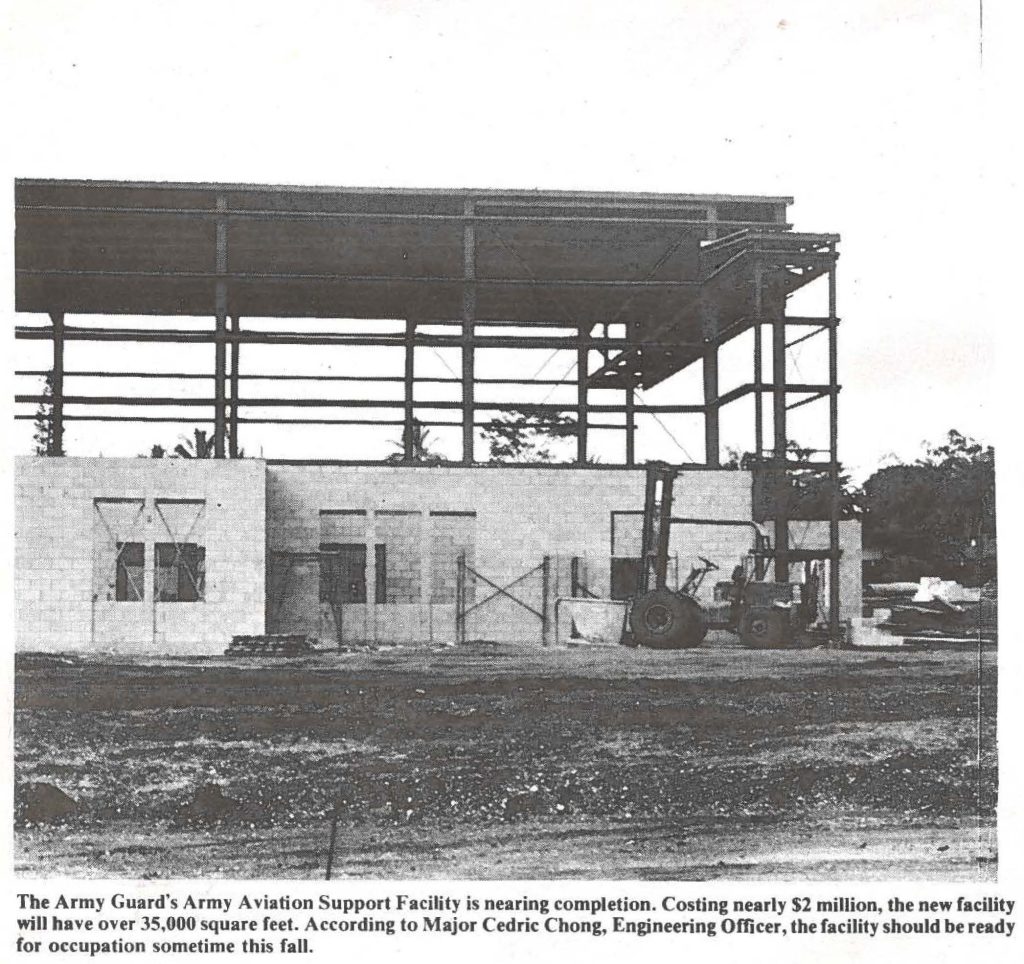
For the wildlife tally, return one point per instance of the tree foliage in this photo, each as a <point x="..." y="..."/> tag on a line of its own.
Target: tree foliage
<point x="524" y="436"/>
<point x="199" y="446"/>
<point x="804" y="493"/>
<point x="42" y="434"/>
<point x="937" y="515"/>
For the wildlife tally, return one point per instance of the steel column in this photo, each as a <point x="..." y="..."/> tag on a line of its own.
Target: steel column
<point x="219" y="386"/>
<point x="833" y="441"/>
<point x="55" y="444"/>
<point x="235" y="350"/>
<point x="582" y="365"/>
<point x="779" y="476"/>
<point x="545" y="590"/>
<point x="758" y="363"/>
<point x="220" y="335"/>
<point x="712" y="448"/>
<point x="759" y="561"/>
<point x="468" y="314"/>
<point x="408" y="452"/>
<point x="630" y="426"/>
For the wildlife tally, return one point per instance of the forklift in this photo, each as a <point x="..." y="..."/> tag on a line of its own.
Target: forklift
<point x="765" y="615"/>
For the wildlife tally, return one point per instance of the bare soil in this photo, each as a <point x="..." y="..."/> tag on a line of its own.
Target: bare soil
<point x="500" y="762"/>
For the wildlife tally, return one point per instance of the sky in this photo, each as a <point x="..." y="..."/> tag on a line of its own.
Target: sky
<point x="869" y="114"/>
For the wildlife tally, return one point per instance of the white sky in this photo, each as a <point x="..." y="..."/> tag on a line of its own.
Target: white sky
<point x="868" y="113"/>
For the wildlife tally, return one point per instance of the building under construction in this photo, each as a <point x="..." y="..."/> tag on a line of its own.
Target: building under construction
<point x="179" y="555"/>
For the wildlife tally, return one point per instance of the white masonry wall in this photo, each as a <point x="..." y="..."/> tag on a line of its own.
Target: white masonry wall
<point x="262" y="530"/>
<point x="61" y="596"/>
<point x="521" y="515"/>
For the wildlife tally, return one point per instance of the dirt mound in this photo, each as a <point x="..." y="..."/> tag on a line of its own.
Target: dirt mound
<point x="44" y="803"/>
<point x="211" y="805"/>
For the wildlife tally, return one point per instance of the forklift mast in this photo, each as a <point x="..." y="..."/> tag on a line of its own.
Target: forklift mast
<point x="657" y="527"/>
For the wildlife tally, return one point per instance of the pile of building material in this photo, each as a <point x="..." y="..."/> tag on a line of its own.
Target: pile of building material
<point x="933" y="609"/>
<point x="271" y="645"/>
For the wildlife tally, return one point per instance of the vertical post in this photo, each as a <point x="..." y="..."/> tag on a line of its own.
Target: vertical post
<point x="709" y="332"/>
<point x="235" y="349"/>
<point x="545" y="591"/>
<point x="56" y="440"/>
<point x="712" y="448"/>
<point x="779" y="473"/>
<point x="408" y="449"/>
<point x="332" y="841"/>
<point x="630" y="425"/>
<point x="761" y="478"/>
<point x="758" y="365"/>
<point x="664" y="527"/>
<point x="647" y="531"/>
<point x="370" y="578"/>
<point x="468" y="315"/>
<point x="582" y="370"/>
<point x="220" y="310"/>
<point x="460" y="598"/>
<point x="833" y="444"/>
<point x="219" y="394"/>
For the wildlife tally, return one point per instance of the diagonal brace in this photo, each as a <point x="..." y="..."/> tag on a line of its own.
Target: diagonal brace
<point x="503" y="591"/>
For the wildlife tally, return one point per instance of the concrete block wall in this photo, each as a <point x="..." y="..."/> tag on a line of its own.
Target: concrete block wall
<point x="401" y="534"/>
<point x="61" y="590"/>
<point x="450" y="535"/>
<point x="520" y="515"/>
<point x="263" y="529"/>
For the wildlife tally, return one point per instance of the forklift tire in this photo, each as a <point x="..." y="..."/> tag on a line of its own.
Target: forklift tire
<point x="765" y="629"/>
<point x="664" y="619"/>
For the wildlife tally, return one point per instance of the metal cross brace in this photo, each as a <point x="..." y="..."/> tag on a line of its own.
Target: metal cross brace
<point x="140" y="591"/>
<point x="503" y="591"/>
<point x="178" y="545"/>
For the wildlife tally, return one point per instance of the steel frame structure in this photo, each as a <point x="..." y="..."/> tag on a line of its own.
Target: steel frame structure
<point x="640" y="286"/>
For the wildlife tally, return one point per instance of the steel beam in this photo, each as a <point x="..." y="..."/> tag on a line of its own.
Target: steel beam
<point x="192" y="420"/>
<point x="197" y="336"/>
<point x="291" y="277"/>
<point x="412" y="193"/>
<point x="202" y="376"/>
<point x="511" y="405"/>
<point x="385" y="217"/>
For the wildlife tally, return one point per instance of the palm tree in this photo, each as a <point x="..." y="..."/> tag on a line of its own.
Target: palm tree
<point x="420" y="447"/>
<point x="198" y="447"/>
<point x="43" y="434"/>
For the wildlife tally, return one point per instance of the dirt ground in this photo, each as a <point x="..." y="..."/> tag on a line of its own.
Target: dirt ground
<point x="494" y="762"/>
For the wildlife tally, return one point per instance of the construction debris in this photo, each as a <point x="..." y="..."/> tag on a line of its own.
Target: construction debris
<point x="272" y="645"/>
<point x="43" y="803"/>
<point x="211" y="805"/>
<point x="933" y="608"/>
